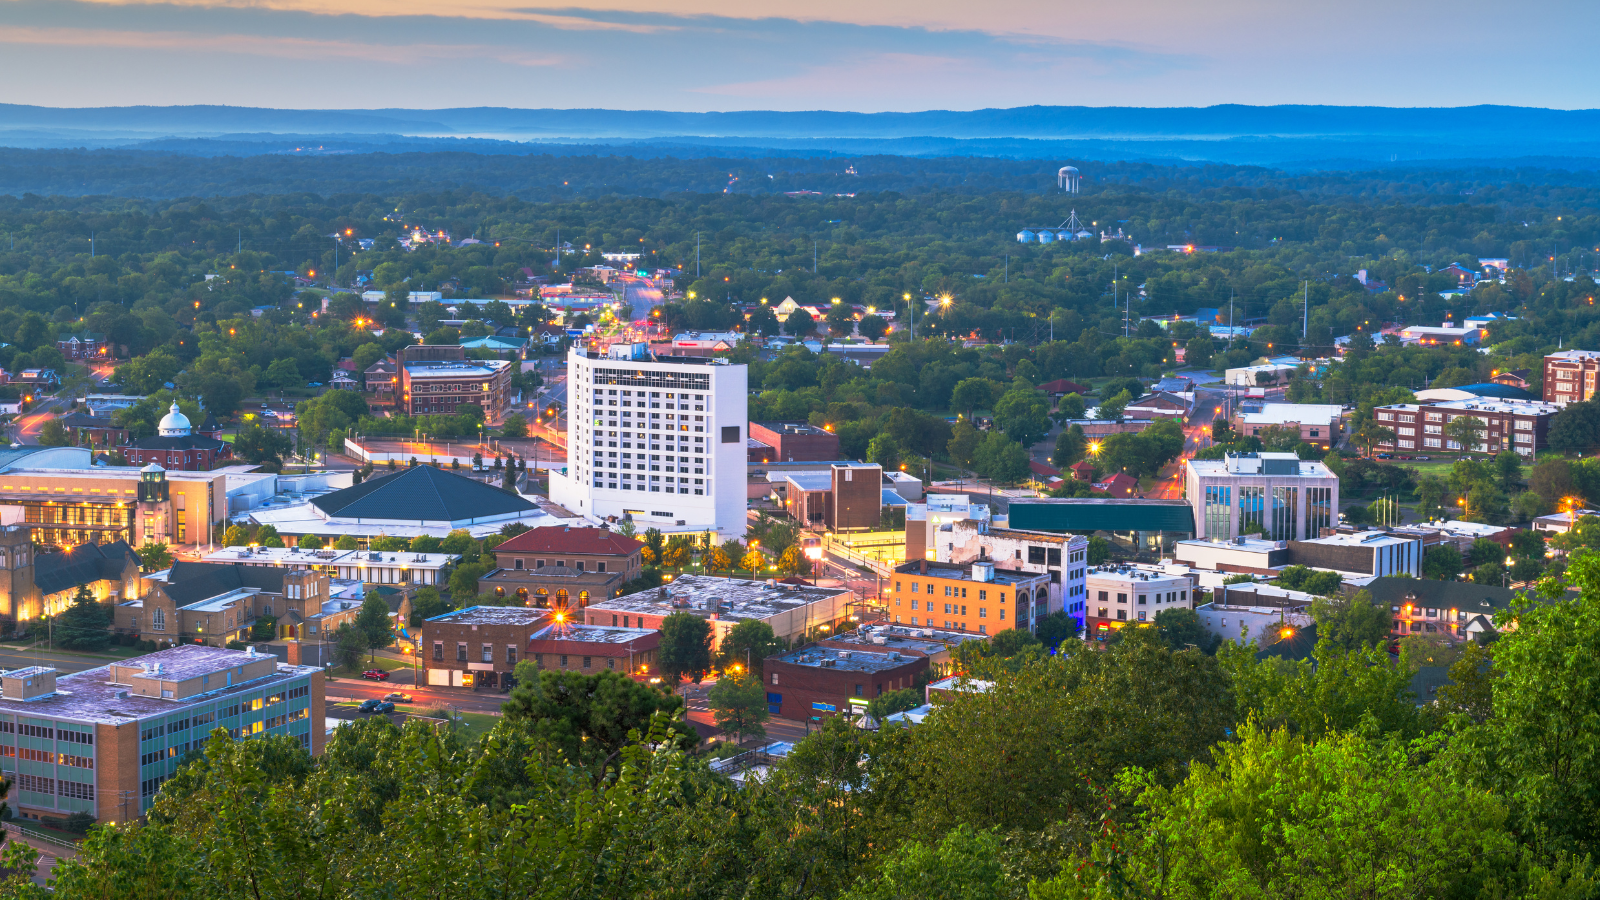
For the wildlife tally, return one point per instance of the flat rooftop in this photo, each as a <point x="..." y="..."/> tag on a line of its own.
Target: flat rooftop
<point x="493" y="615"/>
<point x="927" y="641"/>
<point x="1482" y="404"/>
<point x="1360" y="539"/>
<point x="455" y="369"/>
<point x="1284" y="413"/>
<point x="1244" y="545"/>
<point x="92" y="697"/>
<point x="1133" y="572"/>
<point x="732" y="599"/>
<point x="286" y="556"/>
<point x="591" y="634"/>
<point x="1002" y="577"/>
<point x="845" y="660"/>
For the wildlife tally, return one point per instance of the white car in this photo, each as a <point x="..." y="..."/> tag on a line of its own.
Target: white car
<point x="268" y="414"/>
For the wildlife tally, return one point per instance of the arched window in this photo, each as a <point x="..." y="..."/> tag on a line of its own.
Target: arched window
<point x="499" y="592"/>
<point x="561" y="598"/>
<point x="522" y="596"/>
<point x="583" y="598"/>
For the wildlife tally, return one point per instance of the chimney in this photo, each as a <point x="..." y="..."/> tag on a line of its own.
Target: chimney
<point x="924" y="566"/>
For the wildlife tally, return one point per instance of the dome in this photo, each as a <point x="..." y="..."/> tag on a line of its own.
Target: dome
<point x="174" y="423"/>
<point x="152" y="468"/>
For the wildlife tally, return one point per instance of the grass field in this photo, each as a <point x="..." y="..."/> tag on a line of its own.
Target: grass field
<point x="474" y="725"/>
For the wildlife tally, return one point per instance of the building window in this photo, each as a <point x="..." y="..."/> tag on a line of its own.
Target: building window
<point x="461" y="652"/>
<point x="774" y="677"/>
<point x="586" y="662"/>
<point x="438" y="650"/>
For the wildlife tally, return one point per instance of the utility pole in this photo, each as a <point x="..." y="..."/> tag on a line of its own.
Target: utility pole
<point x="1305" y="324"/>
<point x="697" y="255"/>
<point x="91" y="245"/>
<point x="813" y="257"/>
<point x="1007" y="279"/>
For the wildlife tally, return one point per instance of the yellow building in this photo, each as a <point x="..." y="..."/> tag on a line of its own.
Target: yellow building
<point x="976" y="597"/>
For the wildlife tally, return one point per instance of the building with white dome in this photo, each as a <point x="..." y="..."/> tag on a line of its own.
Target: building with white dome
<point x="177" y="445"/>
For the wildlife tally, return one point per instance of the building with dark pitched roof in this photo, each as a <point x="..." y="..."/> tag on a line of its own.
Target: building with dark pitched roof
<point x="424" y="494"/>
<point x="93" y="431"/>
<point x="83" y="345"/>
<point x="176" y="446"/>
<point x="213" y="603"/>
<point x="1453" y="610"/>
<point x="110" y="571"/>
<point x="582" y="549"/>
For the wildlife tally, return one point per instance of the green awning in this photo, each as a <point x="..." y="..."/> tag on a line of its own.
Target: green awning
<point x="1101" y="514"/>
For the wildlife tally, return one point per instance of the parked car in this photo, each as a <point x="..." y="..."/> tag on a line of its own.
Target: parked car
<point x="385" y="708"/>
<point x="375" y="674"/>
<point x="398" y="696"/>
<point x="268" y="414"/>
<point x="369" y="705"/>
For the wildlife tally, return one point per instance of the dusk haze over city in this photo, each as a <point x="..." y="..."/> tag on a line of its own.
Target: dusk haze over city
<point x="803" y="451"/>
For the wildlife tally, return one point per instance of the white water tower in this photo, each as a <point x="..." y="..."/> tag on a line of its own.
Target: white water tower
<point x="1067" y="179"/>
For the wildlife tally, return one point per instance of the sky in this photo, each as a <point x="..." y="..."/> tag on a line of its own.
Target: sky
<point x="862" y="55"/>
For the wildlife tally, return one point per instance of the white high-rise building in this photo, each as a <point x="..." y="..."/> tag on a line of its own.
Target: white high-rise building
<point x="660" y="440"/>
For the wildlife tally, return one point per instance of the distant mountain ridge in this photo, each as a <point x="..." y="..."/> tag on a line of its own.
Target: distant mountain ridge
<point x="1227" y="133"/>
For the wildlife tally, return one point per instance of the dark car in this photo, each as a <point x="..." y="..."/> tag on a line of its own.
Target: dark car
<point x="375" y="674"/>
<point x="384" y="708"/>
<point x="369" y="705"/>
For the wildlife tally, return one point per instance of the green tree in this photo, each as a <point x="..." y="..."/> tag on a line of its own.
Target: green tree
<point x="1540" y="747"/>
<point x="1466" y="431"/>
<point x="1135" y="704"/>
<point x="739" y="705"/>
<point x="971" y="395"/>
<point x="747" y="644"/>
<point x="872" y="327"/>
<point x="309" y="542"/>
<point x="751" y="562"/>
<point x="1070" y="407"/>
<point x="717" y="561"/>
<point x="1441" y="563"/>
<point x="1001" y="459"/>
<point x="591" y="719"/>
<point x="85" y="625"/>
<point x="54" y="434"/>
<point x="885" y="451"/>
<point x="891" y="702"/>
<point x="1272" y="817"/>
<point x="345" y="542"/>
<point x="265" y="628"/>
<point x="237" y="536"/>
<point x="964" y="441"/>
<point x="425" y="543"/>
<point x="261" y="445"/>
<point x="965" y="865"/>
<point x="464" y="581"/>
<point x="1181" y="628"/>
<point x="793" y="561"/>
<point x="1336" y="690"/>
<point x="153" y="557"/>
<point x="1024" y="416"/>
<point x="373" y="622"/>
<point x="457" y="543"/>
<point x="685" y="648"/>
<point x="515" y="426"/>
<point x="349" y="645"/>
<point x="1352" y="623"/>
<point x="425" y="604"/>
<point x="1053" y="629"/>
<point x="1071" y="445"/>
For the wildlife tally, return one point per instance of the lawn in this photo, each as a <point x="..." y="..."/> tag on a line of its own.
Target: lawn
<point x="113" y="652"/>
<point x="474" y="725"/>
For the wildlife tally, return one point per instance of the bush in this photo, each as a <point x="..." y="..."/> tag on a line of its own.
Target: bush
<point x="238" y="645"/>
<point x="78" y="822"/>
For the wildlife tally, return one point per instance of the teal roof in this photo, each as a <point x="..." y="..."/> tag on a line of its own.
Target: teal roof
<point x="494" y="340"/>
<point x="1500" y="391"/>
<point x="1101" y="514"/>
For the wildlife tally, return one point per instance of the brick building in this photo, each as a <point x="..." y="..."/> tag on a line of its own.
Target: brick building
<point x="435" y="379"/>
<point x="590" y="649"/>
<point x="179" y="446"/>
<point x="382" y="380"/>
<point x="84" y="345"/>
<point x="583" y="549"/>
<point x="1569" y="376"/>
<point x="93" y="431"/>
<point x="1520" y="425"/>
<point x="847" y="497"/>
<point x="791" y="442"/>
<point x="824" y="681"/>
<point x="213" y="603"/>
<point x="478" y="647"/>
<point x="103" y="741"/>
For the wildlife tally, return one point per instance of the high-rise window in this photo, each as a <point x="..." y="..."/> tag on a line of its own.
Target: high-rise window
<point x="1285" y="515"/>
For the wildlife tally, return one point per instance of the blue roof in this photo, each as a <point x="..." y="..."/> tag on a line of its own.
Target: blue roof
<point x="1500" y="391"/>
<point x="1101" y="514"/>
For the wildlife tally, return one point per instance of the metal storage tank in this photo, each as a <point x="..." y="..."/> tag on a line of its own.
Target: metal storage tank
<point x="1046" y="237"/>
<point x="1024" y="236"/>
<point x="1068" y="179"/>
